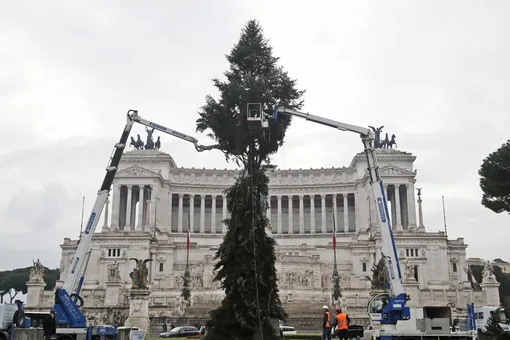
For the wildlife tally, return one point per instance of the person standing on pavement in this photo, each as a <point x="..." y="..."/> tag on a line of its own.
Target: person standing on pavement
<point x="326" y="323"/>
<point x="49" y="326"/>
<point x="342" y="322"/>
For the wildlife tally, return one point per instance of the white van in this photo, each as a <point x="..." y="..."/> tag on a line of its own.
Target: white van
<point x="483" y="313"/>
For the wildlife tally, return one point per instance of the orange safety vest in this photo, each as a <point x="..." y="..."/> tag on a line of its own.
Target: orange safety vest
<point x="328" y="324"/>
<point x="341" y="321"/>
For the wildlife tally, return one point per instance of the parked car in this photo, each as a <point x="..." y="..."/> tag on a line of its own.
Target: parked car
<point x="180" y="332"/>
<point x="287" y="330"/>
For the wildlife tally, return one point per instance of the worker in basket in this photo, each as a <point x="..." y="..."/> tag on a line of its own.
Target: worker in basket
<point x="342" y="323"/>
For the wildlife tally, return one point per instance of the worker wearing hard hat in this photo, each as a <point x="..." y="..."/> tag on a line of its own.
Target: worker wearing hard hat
<point x="342" y="323"/>
<point x="326" y="323"/>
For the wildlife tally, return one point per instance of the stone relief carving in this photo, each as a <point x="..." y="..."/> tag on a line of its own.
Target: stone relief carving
<point x="326" y="280"/>
<point x="113" y="272"/>
<point x="488" y="273"/>
<point x="136" y="172"/>
<point x="423" y="253"/>
<point x="36" y="272"/>
<point x="408" y="271"/>
<point x="394" y="172"/>
<point x="196" y="281"/>
<point x="299" y="279"/>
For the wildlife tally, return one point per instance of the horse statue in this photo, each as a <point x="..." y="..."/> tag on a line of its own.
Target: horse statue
<point x="384" y="143"/>
<point x="377" y="132"/>
<point x="392" y="142"/>
<point x="138" y="144"/>
<point x="150" y="142"/>
<point x="157" y="145"/>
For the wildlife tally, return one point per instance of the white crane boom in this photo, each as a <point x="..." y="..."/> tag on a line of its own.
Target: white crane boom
<point x="389" y="250"/>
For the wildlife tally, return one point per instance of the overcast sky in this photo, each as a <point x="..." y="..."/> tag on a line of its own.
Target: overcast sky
<point x="435" y="73"/>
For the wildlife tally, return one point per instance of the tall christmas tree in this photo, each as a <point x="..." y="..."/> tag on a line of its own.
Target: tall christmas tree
<point x="246" y="258"/>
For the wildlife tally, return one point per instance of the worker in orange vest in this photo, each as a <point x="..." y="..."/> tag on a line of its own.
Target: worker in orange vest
<point x="326" y="323"/>
<point x="342" y="323"/>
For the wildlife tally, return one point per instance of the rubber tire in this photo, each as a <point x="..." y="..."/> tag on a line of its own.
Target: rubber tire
<point x="3" y="335"/>
<point x="79" y="298"/>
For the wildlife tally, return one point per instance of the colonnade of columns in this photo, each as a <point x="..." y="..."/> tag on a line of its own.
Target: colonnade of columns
<point x="288" y="214"/>
<point x="402" y="205"/>
<point x="134" y="209"/>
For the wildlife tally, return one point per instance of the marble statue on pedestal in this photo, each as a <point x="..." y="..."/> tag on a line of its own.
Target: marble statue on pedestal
<point x="36" y="272"/>
<point x="488" y="273"/>
<point x="140" y="274"/>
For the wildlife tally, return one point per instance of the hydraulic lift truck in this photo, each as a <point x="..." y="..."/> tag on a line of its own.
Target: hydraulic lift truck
<point x="71" y="323"/>
<point x="393" y="309"/>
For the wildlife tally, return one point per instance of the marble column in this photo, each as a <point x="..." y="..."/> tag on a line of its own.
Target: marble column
<point x="105" y="225"/>
<point x="153" y="210"/>
<point x="357" y="226"/>
<point x="141" y="199"/>
<point x="301" y="215"/>
<point x="128" y="208"/>
<point x="335" y="214"/>
<point x="290" y="217"/>
<point x="179" y="213"/>
<point x="312" y="214"/>
<point x="213" y="214"/>
<point x="202" y="214"/>
<point x="115" y="206"/>
<point x="170" y="196"/>
<point x="280" y="224"/>
<point x="323" y="213"/>
<point x="411" y="206"/>
<point x="224" y="216"/>
<point x="346" y="212"/>
<point x="191" y="217"/>
<point x="398" y="213"/>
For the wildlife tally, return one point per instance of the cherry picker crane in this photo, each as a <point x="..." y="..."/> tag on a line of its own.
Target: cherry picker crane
<point x="67" y="299"/>
<point x="395" y="310"/>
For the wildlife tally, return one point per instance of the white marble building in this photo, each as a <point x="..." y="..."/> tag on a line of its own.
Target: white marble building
<point x="154" y="202"/>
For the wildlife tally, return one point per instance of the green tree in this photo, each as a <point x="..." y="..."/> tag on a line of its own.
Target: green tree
<point x="493" y="329"/>
<point x="246" y="258"/>
<point x="501" y="277"/>
<point x="495" y="179"/>
<point x="13" y="282"/>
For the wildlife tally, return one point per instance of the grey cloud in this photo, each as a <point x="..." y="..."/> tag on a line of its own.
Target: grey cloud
<point x="433" y="73"/>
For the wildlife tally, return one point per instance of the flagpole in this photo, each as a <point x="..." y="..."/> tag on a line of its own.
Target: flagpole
<point x="186" y="293"/>
<point x="336" y="278"/>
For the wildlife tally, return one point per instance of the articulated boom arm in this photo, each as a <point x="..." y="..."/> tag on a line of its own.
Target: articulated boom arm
<point x="76" y="272"/>
<point x="396" y="290"/>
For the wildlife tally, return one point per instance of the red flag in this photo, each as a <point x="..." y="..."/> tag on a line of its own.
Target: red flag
<point x="187" y="241"/>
